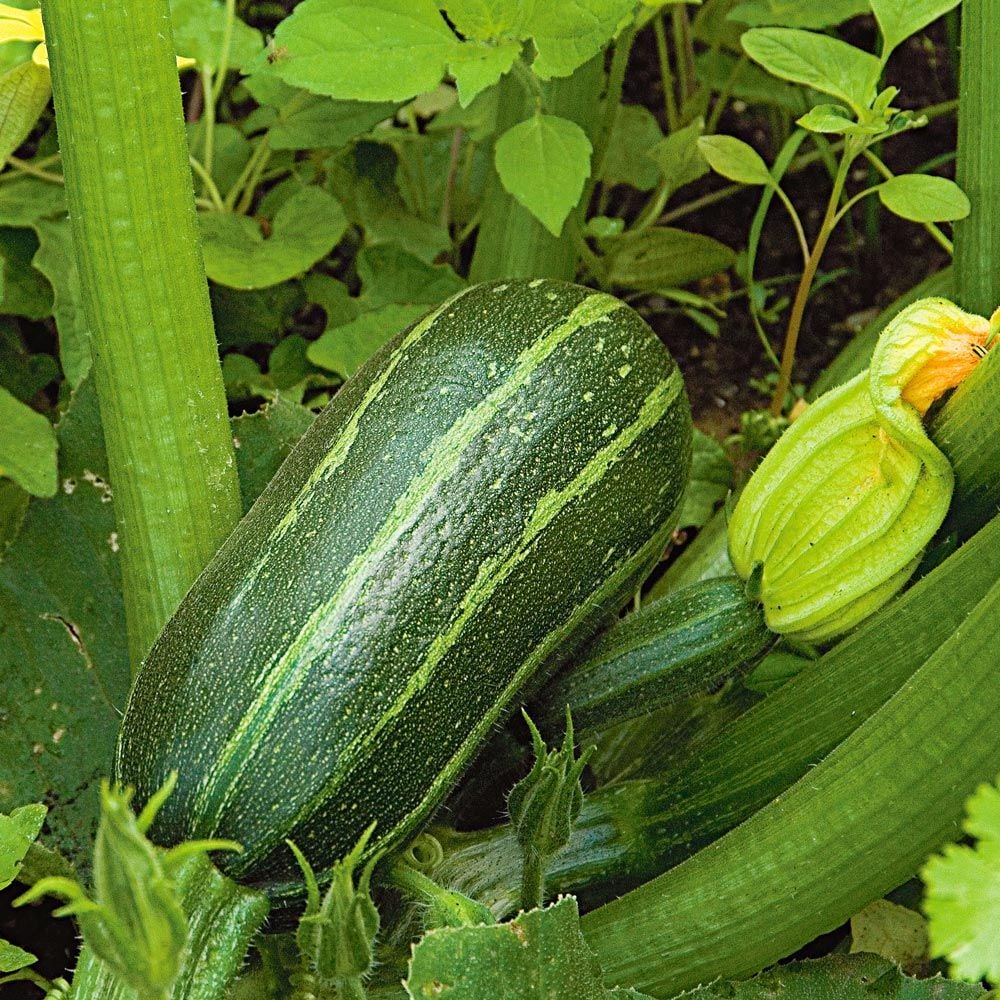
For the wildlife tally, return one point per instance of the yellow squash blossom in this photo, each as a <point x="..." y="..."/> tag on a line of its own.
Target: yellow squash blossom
<point x="26" y="26"/>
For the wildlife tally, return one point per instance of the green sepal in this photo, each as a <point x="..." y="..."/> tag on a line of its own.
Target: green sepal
<point x="336" y="934"/>
<point x="135" y="921"/>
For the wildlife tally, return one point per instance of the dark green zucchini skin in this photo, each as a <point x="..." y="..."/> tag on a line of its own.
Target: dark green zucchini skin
<point x="676" y="646"/>
<point x="483" y="494"/>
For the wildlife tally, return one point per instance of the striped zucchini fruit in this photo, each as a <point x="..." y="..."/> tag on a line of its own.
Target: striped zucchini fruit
<point x="480" y="497"/>
<point x="679" y="645"/>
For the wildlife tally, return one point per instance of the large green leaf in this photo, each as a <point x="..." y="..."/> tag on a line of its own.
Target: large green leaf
<point x="344" y="349"/>
<point x="488" y="19"/>
<point x="379" y="50"/>
<point x="636" y="132"/>
<point x="818" y="61"/>
<point x="924" y="198"/>
<point x="540" y="955"/>
<point x="304" y="230"/>
<point x="477" y="66"/>
<point x="567" y="34"/>
<point x="25" y="290"/>
<point x="27" y="447"/>
<point x="710" y="480"/>
<point x="797" y="13"/>
<point x="544" y="162"/>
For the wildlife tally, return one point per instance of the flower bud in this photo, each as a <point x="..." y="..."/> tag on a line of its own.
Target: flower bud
<point x="837" y="515"/>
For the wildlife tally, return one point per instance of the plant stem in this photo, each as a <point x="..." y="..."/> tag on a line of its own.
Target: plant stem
<point x="211" y="191"/>
<point x="351" y="989"/>
<point x="24" y="167"/>
<point x="532" y="881"/>
<point x="667" y="78"/>
<point x="805" y="283"/>
<point x="208" y="125"/>
<point x="977" y="238"/>
<point x="159" y="385"/>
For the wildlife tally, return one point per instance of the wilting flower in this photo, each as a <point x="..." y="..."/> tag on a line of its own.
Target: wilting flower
<point x="836" y="517"/>
<point x="26" y="26"/>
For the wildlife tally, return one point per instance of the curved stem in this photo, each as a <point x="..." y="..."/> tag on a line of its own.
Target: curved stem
<point x="806" y="282"/>
<point x="796" y="222"/>
<point x="33" y="170"/>
<point x="211" y="190"/>
<point x="666" y="77"/>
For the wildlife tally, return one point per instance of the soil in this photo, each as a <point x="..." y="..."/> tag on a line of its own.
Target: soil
<point x="882" y="261"/>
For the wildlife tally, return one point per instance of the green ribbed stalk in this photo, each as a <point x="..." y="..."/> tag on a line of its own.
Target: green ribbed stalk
<point x="512" y="243"/>
<point x="222" y="918"/>
<point x="131" y="206"/>
<point x="977" y="238"/>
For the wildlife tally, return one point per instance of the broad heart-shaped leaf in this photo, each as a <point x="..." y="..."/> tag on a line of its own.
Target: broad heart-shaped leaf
<point x="24" y="200"/>
<point x="376" y="50"/>
<point x="24" y="93"/>
<point x="63" y="652"/>
<point x="568" y="33"/>
<point x="797" y="13"/>
<point x="540" y="955"/>
<point x="678" y="157"/>
<point x="838" y="977"/>
<point x="488" y="20"/>
<point x="476" y="66"/>
<point x="734" y="159"/>
<point x="544" y="162"/>
<point x="635" y="133"/>
<point x="963" y="893"/>
<point x="318" y="122"/>
<point x="27" y="447"/>
<point x="665" y="257"/>
<point x="898" y="19"/>
<point x="304" y="230"/>
<point x="924" y="198"/>
<point x="389" y="274"/>
<point x="344" y="349"/>
<point x="818" y="61"/>
<point x="199" y="27"/>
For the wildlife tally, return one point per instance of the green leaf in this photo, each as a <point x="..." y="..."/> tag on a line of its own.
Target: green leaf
<point x="27" y="447"/>
<point x="838" y="977"/>
<point x="924" y="198"/>
<point x="199" y="27"/>
<point x="677" y="156"/>
<point x="344" y="349"/>
<point x="635" y="133"/>
<point x="963" y="893"/>
<point x="664" y="257"/>
<point x="734" y="159"/>
<point x="818" y="61"/>
<point x="477" y="66"/>
<point x="23" y="200"/>
<point x="17" y="831"/>
<point x="544" y="162"/>
<point x="25" y="290"/>
<point x="797" y="13"/>
<point x="63" y="656"/>
<point x="898" y="19"/>
<point x="379" y="50"/>
<point x="56" y="260"/>
<point x="13" y="958"/>
<point x="487" y="20"/>
<point x="827" y="118"/>
<point x="567" y="34"/>
<point x="304" y="230"/>
<point x="317" y="122"/>
<point x="389" y="274"/>
<point x="710" y="480"/>
<point x="256" y="316"/>
<point x="263" y="441"/>
<point x="747" y="82"/>
<point x="540" y="955"/>
<point x="24" y="94"/>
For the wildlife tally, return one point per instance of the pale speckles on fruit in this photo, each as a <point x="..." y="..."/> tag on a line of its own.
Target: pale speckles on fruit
<point x="624" y="370"/>
<point x="588" y="397"/>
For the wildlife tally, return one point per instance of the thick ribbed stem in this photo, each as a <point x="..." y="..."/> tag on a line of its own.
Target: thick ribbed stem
<point x="131" y="205"/>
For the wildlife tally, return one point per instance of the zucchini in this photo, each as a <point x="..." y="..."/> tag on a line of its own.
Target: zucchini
<point x="682" y="644"/>
<point x="478" y="499"/>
